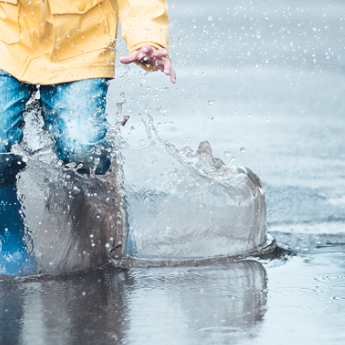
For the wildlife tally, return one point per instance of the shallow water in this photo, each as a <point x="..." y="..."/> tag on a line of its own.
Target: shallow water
<point x="283" y="102"/>
<point x="289" y="299"/>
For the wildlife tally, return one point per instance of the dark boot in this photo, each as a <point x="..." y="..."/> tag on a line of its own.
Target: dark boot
<point x="10" y="165"/>
<point x="14" y="258"/>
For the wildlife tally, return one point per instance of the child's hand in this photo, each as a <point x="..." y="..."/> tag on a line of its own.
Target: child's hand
<point x="154" y="57"/>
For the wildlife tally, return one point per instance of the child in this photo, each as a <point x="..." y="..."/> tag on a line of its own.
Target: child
<point x="68" y="48"/>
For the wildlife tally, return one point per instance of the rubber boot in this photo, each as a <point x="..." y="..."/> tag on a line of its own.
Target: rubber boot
<point x="14" y="258"/>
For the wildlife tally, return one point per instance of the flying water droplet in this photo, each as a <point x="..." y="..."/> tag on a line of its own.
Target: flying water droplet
<point x="162" y="110"/>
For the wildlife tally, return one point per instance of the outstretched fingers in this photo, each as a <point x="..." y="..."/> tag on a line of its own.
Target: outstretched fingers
<point x="130" y="57"/>
<point x="160" y="54"/>
<point x="155" y="57"/>
<point x="168" y="70"/>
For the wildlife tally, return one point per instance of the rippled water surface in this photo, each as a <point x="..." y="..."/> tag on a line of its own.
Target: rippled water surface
<point x="292" y="299"/>
<point x="263" y="82"/>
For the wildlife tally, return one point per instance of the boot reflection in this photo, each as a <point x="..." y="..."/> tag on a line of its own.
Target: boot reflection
<point x="11" y="312"/>
<point x="89" y="307"/>
<point x="217" y="304"/>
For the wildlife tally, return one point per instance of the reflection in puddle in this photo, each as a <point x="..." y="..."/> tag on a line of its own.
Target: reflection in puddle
<point x="214" y="304"/>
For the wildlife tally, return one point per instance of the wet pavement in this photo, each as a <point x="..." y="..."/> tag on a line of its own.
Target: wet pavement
<point x="289" y="299"/>
<point x="267" y="77"/>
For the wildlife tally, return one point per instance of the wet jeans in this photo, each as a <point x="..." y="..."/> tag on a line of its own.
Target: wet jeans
<point x="74" y="115"/>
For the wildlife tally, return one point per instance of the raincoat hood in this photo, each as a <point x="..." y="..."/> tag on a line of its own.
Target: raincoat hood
<point x="56" y="41"/>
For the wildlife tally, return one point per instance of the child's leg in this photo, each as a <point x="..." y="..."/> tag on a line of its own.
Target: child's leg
<point x="13" y="97"/>
<point x="14" y="258"/>
<point x="75" y="115"/>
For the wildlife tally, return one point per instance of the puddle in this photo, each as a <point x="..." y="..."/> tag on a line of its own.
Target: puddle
<point x="159" y="302"/>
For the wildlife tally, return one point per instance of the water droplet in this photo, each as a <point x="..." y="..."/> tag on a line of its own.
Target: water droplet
<point x="243" y="150"/>
<point x="227" y="153"/>
<point x="161" y="110"/>
<point x="336" y="298"/>
<point x="210" y="18"/>
<point x="210" y="102"/>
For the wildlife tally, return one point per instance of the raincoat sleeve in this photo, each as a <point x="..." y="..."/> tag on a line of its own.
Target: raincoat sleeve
<point x="144" y="22"/>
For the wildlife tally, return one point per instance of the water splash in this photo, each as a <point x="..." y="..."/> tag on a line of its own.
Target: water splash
<point x="157" y="205"/>
<point x="187" y="204"/>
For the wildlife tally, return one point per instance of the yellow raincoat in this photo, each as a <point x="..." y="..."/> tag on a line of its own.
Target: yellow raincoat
<point x="55" y="41"/>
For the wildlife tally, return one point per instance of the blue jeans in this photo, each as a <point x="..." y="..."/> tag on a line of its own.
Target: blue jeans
<point x="74" y="115"/>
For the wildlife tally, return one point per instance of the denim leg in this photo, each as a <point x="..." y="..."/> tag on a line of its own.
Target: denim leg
<point x="75" y="116"/>
<point x="14" y="95"/>
<point x="13" y="98"/>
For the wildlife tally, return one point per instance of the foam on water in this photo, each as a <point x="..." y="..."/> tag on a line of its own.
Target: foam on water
<point x="156" y="205"/>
